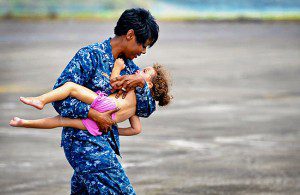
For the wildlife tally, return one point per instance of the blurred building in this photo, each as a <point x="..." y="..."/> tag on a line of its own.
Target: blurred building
<point x="165" y="9"/>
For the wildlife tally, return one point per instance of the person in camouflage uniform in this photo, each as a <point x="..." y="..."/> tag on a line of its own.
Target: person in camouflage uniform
<point x="94" y="158"/>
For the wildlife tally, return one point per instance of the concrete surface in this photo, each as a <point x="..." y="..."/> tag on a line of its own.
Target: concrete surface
<point x="233" y="126"/>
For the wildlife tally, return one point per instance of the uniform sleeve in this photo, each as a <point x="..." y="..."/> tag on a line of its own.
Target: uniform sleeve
<point x="145" y="102"/>
<point x="78" y="71"/>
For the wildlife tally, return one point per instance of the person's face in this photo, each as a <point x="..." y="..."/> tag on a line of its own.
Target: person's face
<point x="147" y="73"/>
<point x="134" y="49"/>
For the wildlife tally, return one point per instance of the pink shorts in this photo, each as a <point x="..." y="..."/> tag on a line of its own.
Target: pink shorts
<point x="102" y="104"/>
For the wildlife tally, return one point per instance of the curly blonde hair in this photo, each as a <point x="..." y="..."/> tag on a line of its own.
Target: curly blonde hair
<point x="161" y="85"/>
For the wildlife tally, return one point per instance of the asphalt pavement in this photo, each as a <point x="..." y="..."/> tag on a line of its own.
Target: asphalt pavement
<point x="233" y="126"/>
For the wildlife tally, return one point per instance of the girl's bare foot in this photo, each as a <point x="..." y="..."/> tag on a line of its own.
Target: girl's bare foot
<point x="17" y="122"/>
<point x="32" y="101"/>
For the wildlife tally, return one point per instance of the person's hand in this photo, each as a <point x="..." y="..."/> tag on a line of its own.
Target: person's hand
<point x="103" y="119"/>
<point x="119" y="64"/>
<point x="125" y="83"/>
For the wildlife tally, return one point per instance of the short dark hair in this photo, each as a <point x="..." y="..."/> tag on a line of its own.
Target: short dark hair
<point x="142" y="22"/>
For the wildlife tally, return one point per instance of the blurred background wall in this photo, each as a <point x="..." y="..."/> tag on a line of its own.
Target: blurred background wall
<point x="167" y="9"/>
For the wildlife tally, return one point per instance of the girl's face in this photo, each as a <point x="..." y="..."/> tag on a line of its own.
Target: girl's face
<point x="147" y="73"/>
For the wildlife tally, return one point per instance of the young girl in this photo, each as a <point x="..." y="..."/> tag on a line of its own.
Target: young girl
<point x="156" y="78"/>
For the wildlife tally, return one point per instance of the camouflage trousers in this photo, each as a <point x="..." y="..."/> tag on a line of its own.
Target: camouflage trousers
<point x="96" y="168"/>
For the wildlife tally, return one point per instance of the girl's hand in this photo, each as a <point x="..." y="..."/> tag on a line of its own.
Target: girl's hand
<point x="119" y="64"/>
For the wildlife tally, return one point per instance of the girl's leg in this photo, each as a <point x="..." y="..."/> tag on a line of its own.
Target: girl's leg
<point x="48" y="123"/>
<point x="68" y="89"/>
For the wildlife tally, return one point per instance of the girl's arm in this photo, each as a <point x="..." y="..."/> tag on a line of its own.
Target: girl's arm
<point x="145" y="103"/>
<point x="118" y="66"/>
<point x="136" y="127"/>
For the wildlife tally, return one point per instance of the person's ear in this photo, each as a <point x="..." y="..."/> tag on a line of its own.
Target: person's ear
<point x="130" y="34"/>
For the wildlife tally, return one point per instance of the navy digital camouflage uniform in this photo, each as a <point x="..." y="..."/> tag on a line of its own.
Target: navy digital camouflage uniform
<point x="93" y="158"/>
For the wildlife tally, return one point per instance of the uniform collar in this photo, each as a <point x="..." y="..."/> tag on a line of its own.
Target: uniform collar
<point x="108" y="56"/>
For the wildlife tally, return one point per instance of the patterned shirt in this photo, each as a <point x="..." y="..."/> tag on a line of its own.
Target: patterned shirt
<point x="91" y="67"/>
